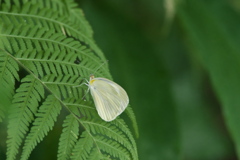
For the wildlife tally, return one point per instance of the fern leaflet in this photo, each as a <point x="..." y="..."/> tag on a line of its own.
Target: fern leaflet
<point x="8" y="74"/>
<point x="68" y="137"/>
<point x="46" y="117"/>
<point x="25" y="103"/>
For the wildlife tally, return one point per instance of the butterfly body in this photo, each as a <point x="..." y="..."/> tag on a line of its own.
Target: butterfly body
<point x="110" y="99"/>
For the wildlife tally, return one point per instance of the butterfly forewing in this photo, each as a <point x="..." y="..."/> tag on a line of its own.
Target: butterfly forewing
<point x="110" y="98"/>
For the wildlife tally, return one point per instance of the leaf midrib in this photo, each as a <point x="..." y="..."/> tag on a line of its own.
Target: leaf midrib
<point x="55" y="61"/>
<point x="49" y="40"/>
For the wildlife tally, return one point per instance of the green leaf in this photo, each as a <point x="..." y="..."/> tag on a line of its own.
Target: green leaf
<point x="25" y="103"/>
<point x="105" y="135"/>
<point x="214" y="42"/>
<point x="68" y="137"/>
<point x="45" y="118"/>
<point x="83" y="147"/>
<point x="131" y="115"/>
<point x="8" y="75"/>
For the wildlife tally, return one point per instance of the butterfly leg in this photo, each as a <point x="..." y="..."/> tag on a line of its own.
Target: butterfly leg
<point x="85" y="94"/>
<point x="82" y="84"/>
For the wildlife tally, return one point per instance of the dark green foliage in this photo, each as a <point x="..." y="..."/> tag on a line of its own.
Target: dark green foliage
<point x="46" y="49"/>
<point x="181" y="69"/>
<point x="218" y="51"/>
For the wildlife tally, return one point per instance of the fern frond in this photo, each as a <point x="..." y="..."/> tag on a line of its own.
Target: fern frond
<point x="54" y="34"/>
<point x="112" y="148"/>
<point x="82" y="108"/>
<point x="2" y="113"/>
<point x="61" y="53"/>
<point x="51" y="43"/>
<point x="25" y="103"/>
<point x="68" y="137"/>
<point x="63" y="85"/>
<point x="83" y="147"/>
<point x="111" y="131"/>
<point x="95" y="154"/>
<point x="8" y="75"/>
<point x="46" y="116"/>
<point x="131" y="115"/>
<point x="116" y="133"/>
<point x="8" y="69"/>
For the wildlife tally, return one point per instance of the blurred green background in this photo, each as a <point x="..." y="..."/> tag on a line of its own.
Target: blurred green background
<point x="179" y="61"/>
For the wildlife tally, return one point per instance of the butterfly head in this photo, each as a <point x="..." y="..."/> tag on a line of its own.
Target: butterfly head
<point x="91" y="79"/>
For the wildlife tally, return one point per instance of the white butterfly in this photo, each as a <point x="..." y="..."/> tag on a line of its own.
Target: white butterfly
<point x="110" y="99"/>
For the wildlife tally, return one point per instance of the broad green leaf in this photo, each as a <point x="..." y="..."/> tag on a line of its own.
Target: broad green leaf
<point x="210" y="37"/>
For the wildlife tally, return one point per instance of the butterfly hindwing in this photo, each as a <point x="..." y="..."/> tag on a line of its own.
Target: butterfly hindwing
<point x="110" y="98"/>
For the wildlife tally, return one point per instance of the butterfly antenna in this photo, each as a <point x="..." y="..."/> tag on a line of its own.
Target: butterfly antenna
<point x="85" y="94"/>
<point x="99" y="67"/>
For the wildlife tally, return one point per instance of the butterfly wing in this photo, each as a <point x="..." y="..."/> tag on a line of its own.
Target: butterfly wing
<point x="110" y="99"/>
